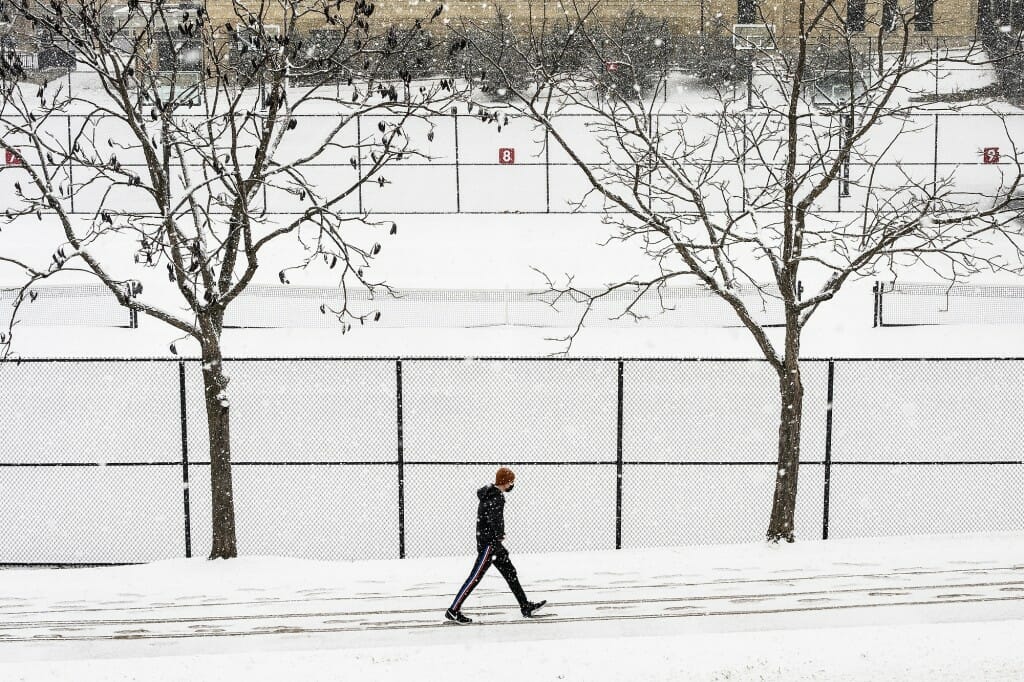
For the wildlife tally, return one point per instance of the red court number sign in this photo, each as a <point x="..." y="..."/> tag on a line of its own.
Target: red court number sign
<point x="990" y="155"/>
<point x="506" y="155"/>
<point x="12" y="159"/>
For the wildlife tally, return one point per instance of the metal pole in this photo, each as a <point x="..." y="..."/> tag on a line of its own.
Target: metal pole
<point x="745" y="117"/>
<point x="547" y="171"/>
<point x="458" y="192"/>
<point x="618" y="464"/>
<point x="359" y="159"/>
<point x="650" y="164"/>
<point x="71" y="158"/>
<point x="131" y="313"/>
<point x="874" y="305"/>
<point x="750" y="80"/>
<point x="845" y="136"/>
<point x="881" y="304"/>
<point x="828" y="447"/>
<point x="184" y="458"/>
<point x="401" y="461"/>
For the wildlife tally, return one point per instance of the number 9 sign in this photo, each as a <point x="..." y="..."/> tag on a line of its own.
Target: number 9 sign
<point x="990" y="155"/>
<point x="506" y="155"/>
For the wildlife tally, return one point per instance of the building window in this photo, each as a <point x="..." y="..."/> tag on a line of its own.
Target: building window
<point x="746" y="12"/>
<point x="855" y="15"/>
<point x="890" y="14"/>
<point x="984" y="16"/>
<point x="993" y="14"/>
<point x="924" y="13"/>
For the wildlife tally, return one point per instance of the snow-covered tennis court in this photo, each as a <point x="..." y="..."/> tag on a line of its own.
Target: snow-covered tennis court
<point x="925" y="608"/>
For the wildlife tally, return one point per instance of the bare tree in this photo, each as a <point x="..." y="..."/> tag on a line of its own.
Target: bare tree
<point x="193" y="145"/>
<point x="734" y="189"/>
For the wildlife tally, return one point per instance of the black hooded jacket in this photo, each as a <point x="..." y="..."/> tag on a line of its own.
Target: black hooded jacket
<point x="490" y="516"/>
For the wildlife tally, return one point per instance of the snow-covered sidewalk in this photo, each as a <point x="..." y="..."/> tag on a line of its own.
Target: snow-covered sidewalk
<point x="925" y="608"/>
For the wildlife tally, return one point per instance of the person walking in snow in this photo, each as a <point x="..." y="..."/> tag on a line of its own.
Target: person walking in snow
<point x="490" y="531"/>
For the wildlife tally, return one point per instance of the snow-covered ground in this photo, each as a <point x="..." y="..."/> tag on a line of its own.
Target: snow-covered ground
<point x="921" y="608"/>
<point x="505" y="251"/>
<point x="926" y="608"/>
<point x="453" y="234"/>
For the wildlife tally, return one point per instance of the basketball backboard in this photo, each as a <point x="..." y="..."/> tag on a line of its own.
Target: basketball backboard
<point x="833" y="89"/>
<point x="185" y="85"/>
<point x="753" y="37"/>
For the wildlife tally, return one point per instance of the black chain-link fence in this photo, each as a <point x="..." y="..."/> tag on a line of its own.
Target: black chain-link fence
<point x="466" y="169"/>
<point x="288" y="306"/>
<point x="275" y="306"/>
<point x="917" y="303"/>
<point x="106" y="461"/>
<point x="77" y="305"/>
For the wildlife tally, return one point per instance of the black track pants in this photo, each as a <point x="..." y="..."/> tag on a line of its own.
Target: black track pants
<point x="494" y="553"/>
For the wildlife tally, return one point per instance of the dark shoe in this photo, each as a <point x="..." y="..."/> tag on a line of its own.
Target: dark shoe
<point x="457" y="617"/>
<point x="529" y="607"/>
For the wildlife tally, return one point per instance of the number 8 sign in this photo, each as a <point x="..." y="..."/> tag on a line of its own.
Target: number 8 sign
<point x="506" y="155"/>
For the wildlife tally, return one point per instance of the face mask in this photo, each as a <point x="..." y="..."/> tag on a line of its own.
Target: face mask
<point x="511" y="485"/>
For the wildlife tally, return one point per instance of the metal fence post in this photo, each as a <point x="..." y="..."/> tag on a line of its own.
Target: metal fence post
<point x="881" y="304"/>
<point x="71" y="165"/>
<point x="401" y="461"/>
<point x="547" y="170"/>
<point x="184" y="458"/>
<point x="359" y="160"/>
<point x="618" y="464"/>
<point x="874" y="305"/>
<point x="828" y="447"/>
<point x="879" y="294"/>
<point x="131" y="289"/>
<point x="458" y="190"/>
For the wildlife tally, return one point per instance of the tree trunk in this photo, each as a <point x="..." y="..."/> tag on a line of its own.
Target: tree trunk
<point x="218" y="411"/>
<point x="791" y="390"/>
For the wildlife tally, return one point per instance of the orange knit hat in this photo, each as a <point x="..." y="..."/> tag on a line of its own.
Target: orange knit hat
<point x="504" y="476"/>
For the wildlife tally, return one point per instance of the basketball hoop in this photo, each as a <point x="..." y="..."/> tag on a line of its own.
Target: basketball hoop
<point x="833" y="90"/>
<point x="753" y="37"/>
<point x="186" y="87"/>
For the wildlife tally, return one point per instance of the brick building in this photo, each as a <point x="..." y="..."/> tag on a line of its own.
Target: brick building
<point x="955" y="18"/>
